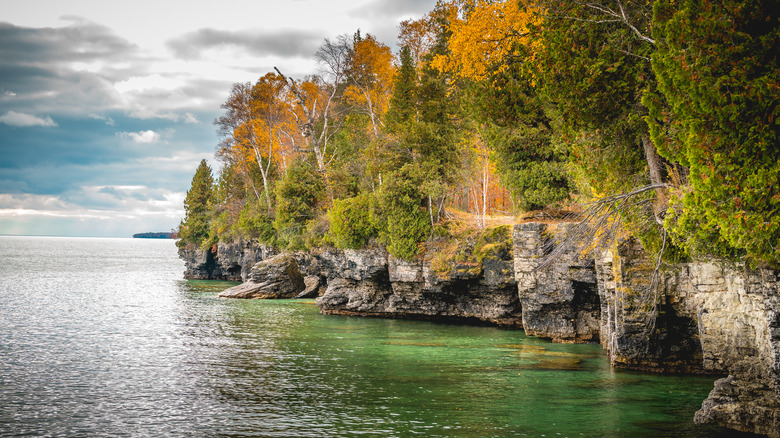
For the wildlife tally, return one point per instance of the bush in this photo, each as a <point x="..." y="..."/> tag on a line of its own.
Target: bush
<point x="297" y="198"/>
<point x="255" y="223"/>
<point x="350" y="222"/>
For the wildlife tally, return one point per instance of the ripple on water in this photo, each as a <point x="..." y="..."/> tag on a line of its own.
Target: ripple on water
<point x="102" y="337"/>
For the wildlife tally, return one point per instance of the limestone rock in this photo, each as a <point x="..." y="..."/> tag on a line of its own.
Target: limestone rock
<point x="277" y="277"/>
<point x="560" y="301"/>
<point x="353" y="264"/>
<point x="412" y="290"/>
<point x="314" y="287"/>
<point x="231" y="261"/>
<point x="644" y="328"/>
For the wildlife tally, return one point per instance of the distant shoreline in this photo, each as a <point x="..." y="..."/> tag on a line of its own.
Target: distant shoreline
<point x="158" y="235"/>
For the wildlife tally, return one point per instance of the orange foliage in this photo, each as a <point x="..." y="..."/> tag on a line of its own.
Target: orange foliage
<point x="486" y="37"/>
<point x="372" y="73"/>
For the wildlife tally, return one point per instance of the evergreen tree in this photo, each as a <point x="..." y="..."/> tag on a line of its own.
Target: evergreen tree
<point x="194" y="228"/>
<point x="531" y="165"/>
<point x="595" y="70"/>
<point x="717" y="116"/>
<point x="403" y="101"/>
<point x="298" y="196"/>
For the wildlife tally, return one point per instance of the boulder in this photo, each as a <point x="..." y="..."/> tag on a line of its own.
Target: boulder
<point x="277" y="277"/>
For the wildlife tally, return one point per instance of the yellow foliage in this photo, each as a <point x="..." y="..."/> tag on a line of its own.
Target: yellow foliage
<point x="486" y="37"/>
<point x="372" y="78"/>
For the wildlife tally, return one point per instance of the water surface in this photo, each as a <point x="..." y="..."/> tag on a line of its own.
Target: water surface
<point x="103" y="337"/>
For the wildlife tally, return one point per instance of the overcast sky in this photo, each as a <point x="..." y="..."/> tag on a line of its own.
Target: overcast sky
<point x="106" y="107"/>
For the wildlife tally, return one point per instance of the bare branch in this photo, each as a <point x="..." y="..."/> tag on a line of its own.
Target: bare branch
<point x="616" y="16"/>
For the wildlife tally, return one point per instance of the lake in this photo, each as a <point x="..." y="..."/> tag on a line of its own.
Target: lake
<point x="104" y="337"/>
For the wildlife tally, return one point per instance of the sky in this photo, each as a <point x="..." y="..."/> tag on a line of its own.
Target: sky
<point x="107" y="107"/>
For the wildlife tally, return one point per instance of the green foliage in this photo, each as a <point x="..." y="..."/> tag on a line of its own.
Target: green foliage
<point x="297" y="197"/>
<point x="255" y="223"/>
<point x="595" y="71"/>
<point x="402" y="109"/>
<point x="194" y="228"/>
<point x="716" y="113"/>
<point x="494" y="243"/>
<point x="317" y="234"/>
<point x="516" y="128"/>
<point x="400" y="213"/>
<point x="531" y="168"/>
<point x="350" y="222"/>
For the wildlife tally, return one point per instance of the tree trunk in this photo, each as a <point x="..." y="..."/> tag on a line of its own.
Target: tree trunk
<point x="654" y="168"/>
<point x="653" y="160"/>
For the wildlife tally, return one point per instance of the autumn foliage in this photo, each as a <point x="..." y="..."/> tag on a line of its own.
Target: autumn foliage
<point x="501" y="107"/>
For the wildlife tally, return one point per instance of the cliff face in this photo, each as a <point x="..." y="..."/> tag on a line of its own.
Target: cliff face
<point x="739" y="316"/>
<point x="226" y="261"/>
<point x="686" y="318"/>
<point x="560" y="301"/>
<point x="704" y="318"/>
<point x="373" y="283"/>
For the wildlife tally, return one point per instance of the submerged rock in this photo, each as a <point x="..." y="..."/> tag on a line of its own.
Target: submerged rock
<point x="277" y="277"/>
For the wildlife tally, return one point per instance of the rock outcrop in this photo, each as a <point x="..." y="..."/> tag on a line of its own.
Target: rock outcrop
<point x="699" y="317"/>
<point x="703" y="317"/>
<point x="647" y="323"/>
<point x="277" y="277"/>
<point x="738" y="311"/>
<point x="560" y="300"/>
<point x="224" y="261"/>
<point x="413" y="290"/>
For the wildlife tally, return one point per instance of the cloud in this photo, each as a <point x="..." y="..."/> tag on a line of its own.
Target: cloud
<point x="378" y="10"/>
<point x="143" y="137"/>
<point x="22" y="120"/>
<point x="65" y="70"/>
<point x="289" y="43"/>
<point x="191" y="119"/>
<point x="92" y="211"/>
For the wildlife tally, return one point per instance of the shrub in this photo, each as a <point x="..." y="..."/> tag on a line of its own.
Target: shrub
<point x="350" y="222"/>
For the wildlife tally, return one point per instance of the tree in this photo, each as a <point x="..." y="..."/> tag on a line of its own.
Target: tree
<point x="298" y="197"/>
<point x="403" y="102"/>
<point x="716" y="114"/>
<point x="417" y="37"/>
<point x="316" y="101"/>
<point x="370" y="74"/>
<point x="596" y="69"/>
<point x="194" y="228"/>
<point x="256" y="124"/>
<point x="400" y="212"/>
<point x="491" y="52"/>
<point x="484" y="41"/>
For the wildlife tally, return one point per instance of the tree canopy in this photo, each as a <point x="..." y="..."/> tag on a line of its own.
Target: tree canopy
<point x="507" y="107"/>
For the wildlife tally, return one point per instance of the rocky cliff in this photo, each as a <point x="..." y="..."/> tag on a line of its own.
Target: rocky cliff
<point x="231" y="261"/>
<point x="702" y="317"/>
<point x="698" y="317"/>
<point x="373" y="283"/>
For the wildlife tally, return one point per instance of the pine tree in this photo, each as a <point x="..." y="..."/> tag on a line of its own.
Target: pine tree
<point x="194" y="229"/>
<point x="403" y="101"/>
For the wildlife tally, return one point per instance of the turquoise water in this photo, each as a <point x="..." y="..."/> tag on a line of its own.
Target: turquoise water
<point x="102" y="337"/>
